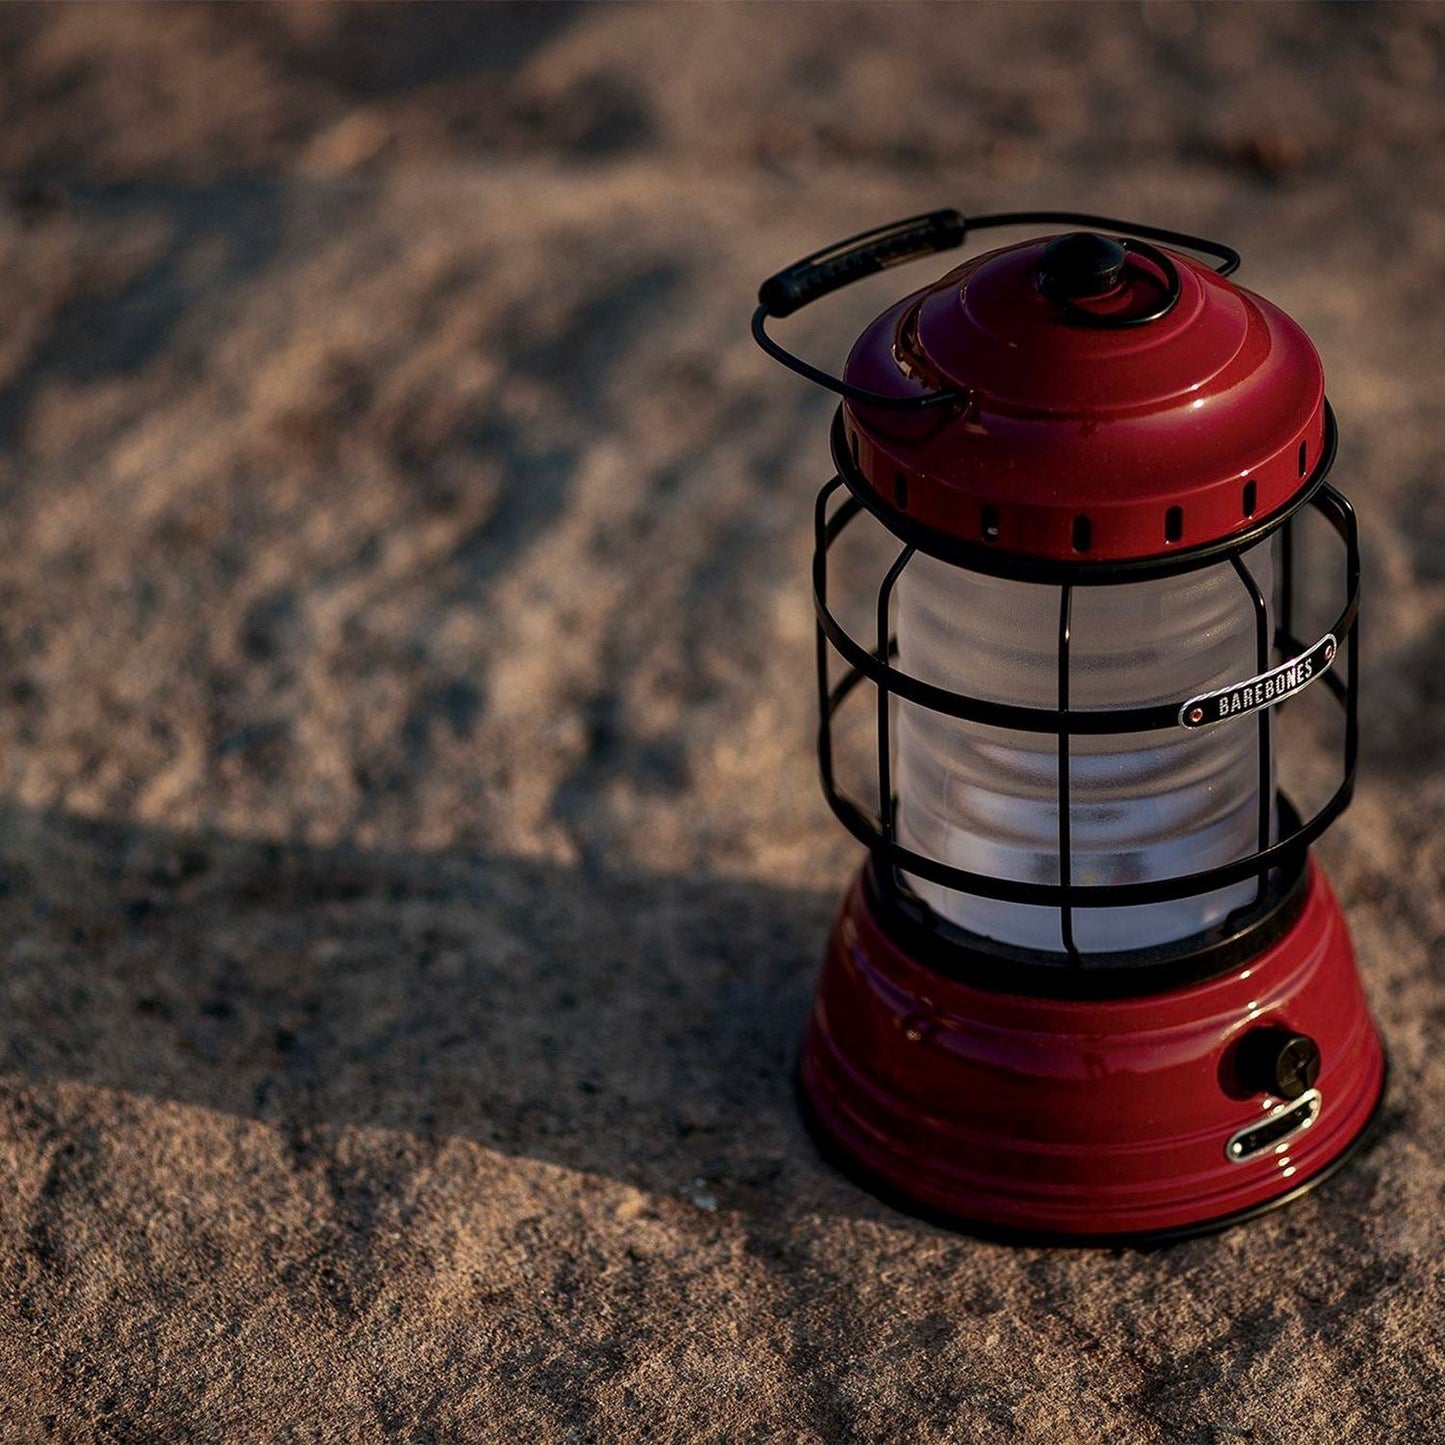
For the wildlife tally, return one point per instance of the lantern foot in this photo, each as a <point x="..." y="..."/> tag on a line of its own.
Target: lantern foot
<point x="1079" y="1120"/>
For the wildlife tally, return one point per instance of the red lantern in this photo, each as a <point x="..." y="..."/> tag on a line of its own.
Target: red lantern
<point x="1089" y="983"/>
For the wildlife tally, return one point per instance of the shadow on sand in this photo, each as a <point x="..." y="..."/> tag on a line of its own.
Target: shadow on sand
<point x="638" y="1027"/>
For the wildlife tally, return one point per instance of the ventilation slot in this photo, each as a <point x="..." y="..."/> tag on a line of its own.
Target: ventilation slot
<point x="1083" y="534"/>
<point x="1173" y="524"/>
<point x="1251" y="498"/>
<point x="988" y="524"/>
<point x="1303" y="456"/>
<point x="900" y="491"/>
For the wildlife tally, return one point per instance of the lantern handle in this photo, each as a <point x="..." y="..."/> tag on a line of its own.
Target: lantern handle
<point x="870" y="252"/>
<point x="1227" y="257"/>
<point x="839" y="265"/>
<point x="863" y="255"/>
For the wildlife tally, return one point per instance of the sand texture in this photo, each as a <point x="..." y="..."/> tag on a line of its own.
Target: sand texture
<point x="414" y="871"/>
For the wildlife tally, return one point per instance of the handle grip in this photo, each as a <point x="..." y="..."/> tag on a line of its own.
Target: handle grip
<point x="863" y="255"/>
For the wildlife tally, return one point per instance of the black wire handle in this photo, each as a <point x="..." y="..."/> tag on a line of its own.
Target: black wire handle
<point x="866" y="254"/>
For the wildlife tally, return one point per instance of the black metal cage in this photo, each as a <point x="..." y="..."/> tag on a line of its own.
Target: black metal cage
<point x="1277" y="866"/>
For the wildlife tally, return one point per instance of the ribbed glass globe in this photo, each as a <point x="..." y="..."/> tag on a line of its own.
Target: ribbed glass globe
<point x="1143" y="806"/>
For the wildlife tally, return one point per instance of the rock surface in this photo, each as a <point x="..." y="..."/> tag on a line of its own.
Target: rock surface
<point x="413" y="867"/>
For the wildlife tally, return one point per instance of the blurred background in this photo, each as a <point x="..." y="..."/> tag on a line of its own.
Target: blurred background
<point x="414" y="866"/>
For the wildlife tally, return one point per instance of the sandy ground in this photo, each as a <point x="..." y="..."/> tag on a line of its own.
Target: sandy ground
<point x="413" y="867"/>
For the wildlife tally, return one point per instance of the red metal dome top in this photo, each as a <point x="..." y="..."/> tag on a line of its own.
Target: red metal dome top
<point x="1115" y="402"/>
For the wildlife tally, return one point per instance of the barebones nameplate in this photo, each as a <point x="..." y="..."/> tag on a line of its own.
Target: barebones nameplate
<point x="1265" y="690"/>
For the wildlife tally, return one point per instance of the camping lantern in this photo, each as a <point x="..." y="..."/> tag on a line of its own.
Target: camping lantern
<point x="1089" y="984"/>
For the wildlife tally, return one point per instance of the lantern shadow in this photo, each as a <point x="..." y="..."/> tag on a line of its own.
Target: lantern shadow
<point x="636" y="1026"/>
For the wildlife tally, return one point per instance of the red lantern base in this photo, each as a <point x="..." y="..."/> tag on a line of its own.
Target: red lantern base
<point x="1086" y="1120"/>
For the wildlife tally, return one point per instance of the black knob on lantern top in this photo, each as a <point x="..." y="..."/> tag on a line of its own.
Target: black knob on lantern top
<point x="1278" y="1061"/>
<point x="1080" y="265"/>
